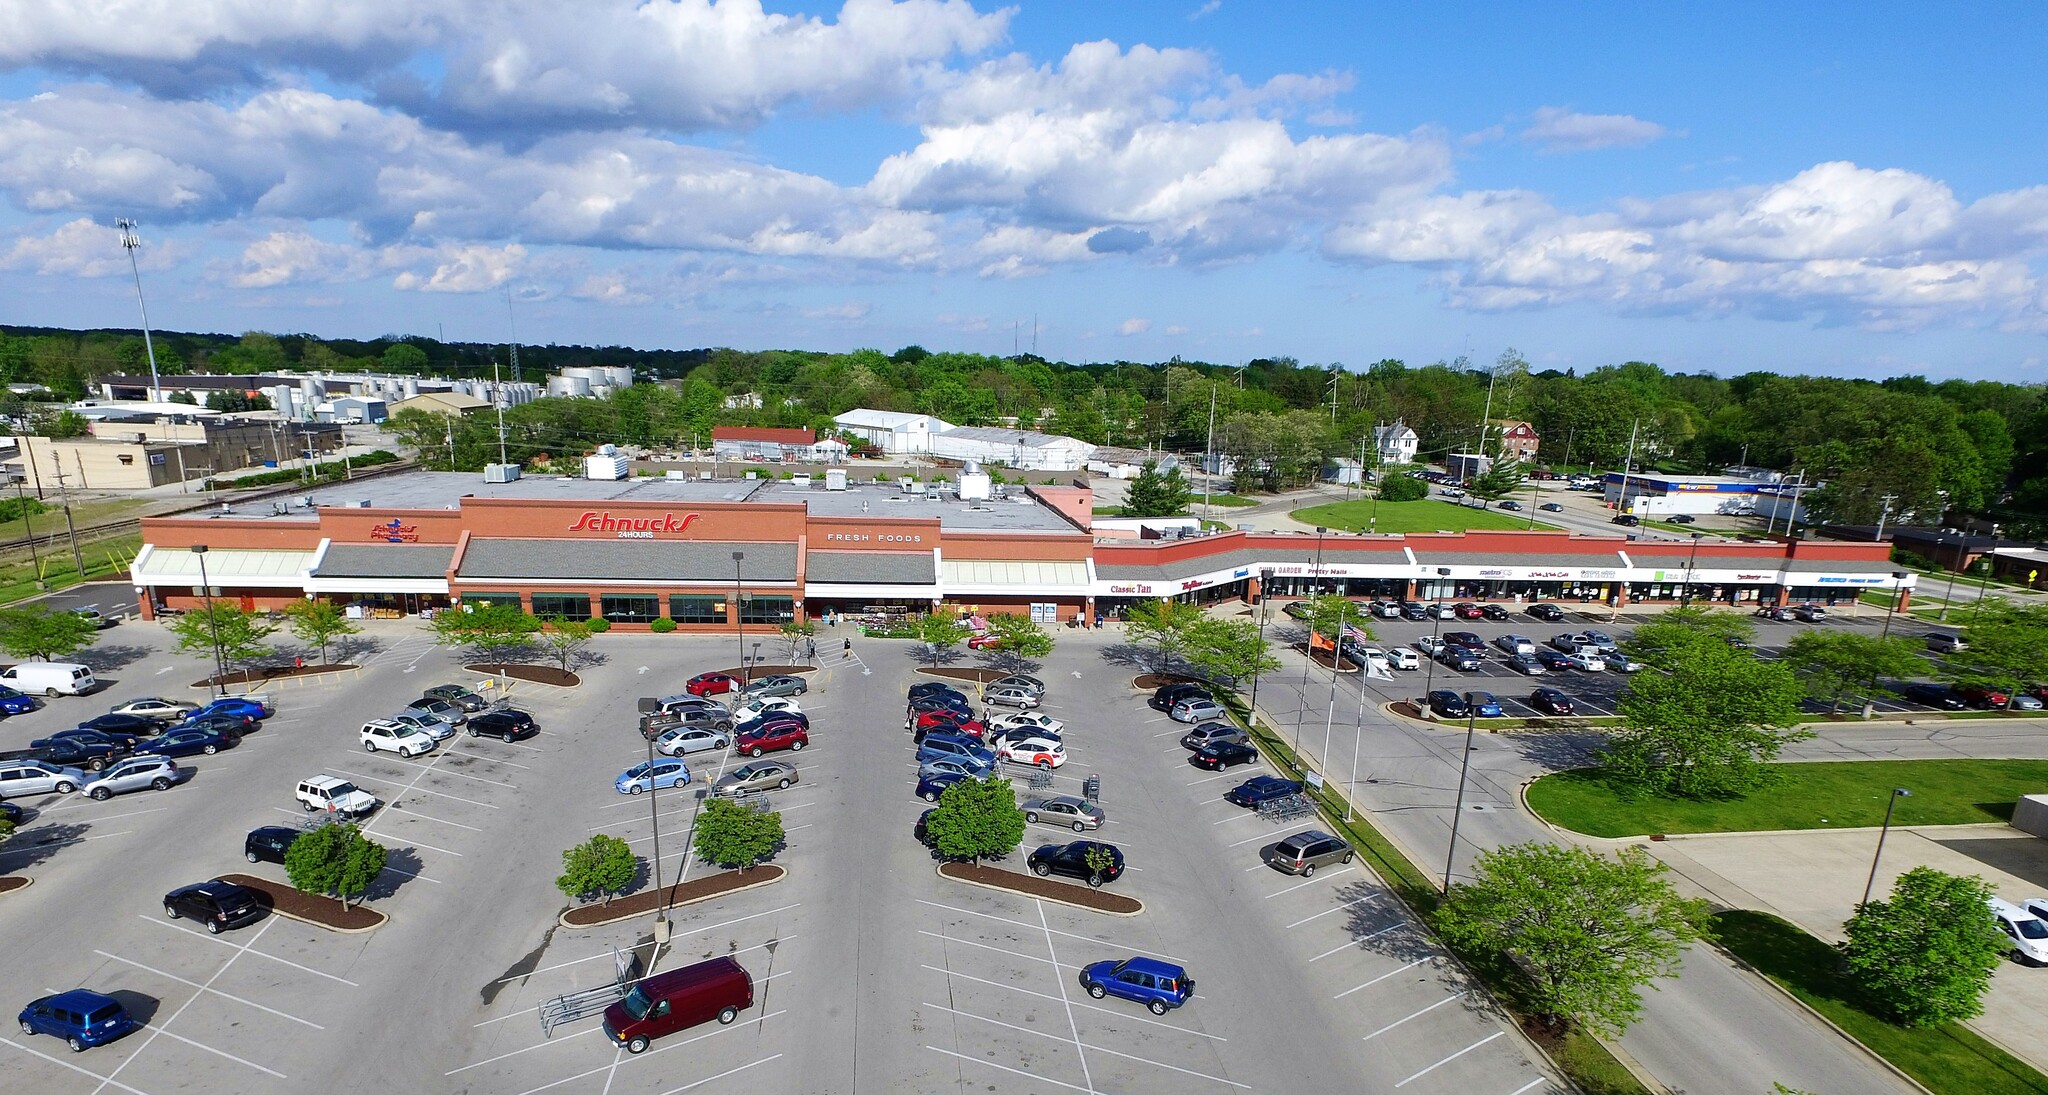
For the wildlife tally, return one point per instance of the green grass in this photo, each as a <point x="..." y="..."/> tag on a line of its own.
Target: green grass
<point x="106" y="558"/>
<point x="1834" y="795"/>
<point x="1948" y="1059"/>
<point x="1422" y="515"/>
<point x="1227" y="500"/>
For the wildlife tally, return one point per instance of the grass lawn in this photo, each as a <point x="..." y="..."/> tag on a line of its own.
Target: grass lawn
<point x="1422" y="515"/>
<point x="107" y="558"/>
<point x="1949" y="1059"/>
<point x="1226" y="500"/>
<point x="1832" y="795"/>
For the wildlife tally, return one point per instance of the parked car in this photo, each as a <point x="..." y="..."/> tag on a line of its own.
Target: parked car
<point x="156" y="709"/>
<point x="1071" y="859"/>
<point x="1443" y="611"/>
<point x="711" y="684"/>
<point x="508" y="724"/>
<point x="1012" y="696"/>
<point x="133" y="774"/>
<point x="1031" y="720"/>
<point x="15" y="702"/>
<point x="1483" y="705"/>
<point x="1461" y="658"/>
<point x="683" y="740"/>
<point x="1430" y="645"/>
<point x="672" y="706"/>
<point x="93" y="616"/>
<point x="250" y="707"/>
<point x="1515" y="644"/>
<point x="50" y="678"/>
<point x="1167" y="695"/>
<point x="923" y="705"/>
<point x="1040" y="751"/>
<point x="1550" y="701"/>
<point x="218" y="905"/>
<point x="12" y="814"/>
<point x="81" y="1017"/>
<point x="754" y="778"/>
<point x="1468" y="640"/>
<point x="938" y="745"/>
<point x="2021" y="701"/>
<point x="459" y="696"/>
<point x="21" y="778"/>
<point x="268" y="843"/>
<point x="1525" y="664"/>
<point x="334" y="795"/>
<point x="714" y="718"/>
<point x="1493" y="612"/>
<point x="718" y="988"/>
<point x="2024" y="930"/>
<point x="385" y="735"/>
<point x="1260" y="789"/>
<point x="1810" y="613"/>
<point x="947" y="722"/>
<point x="1158" y="985"/>
<point x="1078" y="813"/>
<point x="1025" y="681"/>
<point x="932" y="787"/>
<point x="120" y="743"/>
<point x="1402" y="657"/>
<point x="220" y="722"/>
<point x="1414" y="610"/>
<point x="935" y="688"/>
<point x="1982" y="698"/>
<point x="771" y="737"/>
<point x="1934" y="694"/>
<point x="1305" y="851"/>
<point x="972" y="767"/>
<point x="1222" y="755"/>
<point x="1587" y="660"/>
<point x="436" y="728"/>
<point x="754" y="710"/>
<point x="1567" y="643"/>
<point x="434" y="707"/>
<point x="1621" y="663"/>
<point x="1598" y="640"/>
<point x="1448" y="704"/>
<point x="985" y="642"/>
<point x="1386" y="610"/>
<point x="1467" y="610"/>
<point x="1547" y="612"/>
<point x="1628" y="519"/>
<point x="1213" y="733"/>
<point x="1941" y="642"/>
<point x="663" y="772"/>
<point x="778" y="685"/>
<point x="189" y="742"/>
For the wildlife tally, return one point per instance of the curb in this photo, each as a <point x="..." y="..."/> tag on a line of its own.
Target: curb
<point x="329" y="927"/>
<point x="1635" y="1068"/>
<point x="1038" y="897"/>
<point x="25" y="881"/>
<point x="1802" y="1005"/>
<point x="562" y="917"/>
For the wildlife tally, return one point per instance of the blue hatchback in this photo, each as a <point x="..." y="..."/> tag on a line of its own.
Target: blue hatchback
<point x="943" y="746"/>
<point x="232" y="705"/>
<point x="1483" y="705"/>
<point x="1160" y="986"/>
<point x="81" y="1017"/>
<point x="933" y="786"/>
<point x="14" y="703"/>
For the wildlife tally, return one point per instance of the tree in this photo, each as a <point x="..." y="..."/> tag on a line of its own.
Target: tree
<point x="731" y="835"/>
<point x="1329" y="613"/>
<point x="603" y="865"/>
<point x="404" y="357"/>
<point x="59" y="424"/>
<point x="233" y="402"/>
<point x="796" y="631"/>
<point x="1925" y="956"/>
<point x="1157" y="494"/>
<point x="490" y="630"/>
<point x="238" y="635"/>
<point x="1708" y="726"/>
<point x="940" y="634"/>
<point x="1402" y="488"/>
<point x="565" y="638"/>
<point x="977" y="819"/>
<point x="1585" y="931"/>
<point x="1661" y="640"/>
<point x="335" y="860"/>
<point x="1018" y="637"/>
<point x="319" y="623"/>
<point x="1835" y="664"/>
<point x="1496" y="482"/>
<point x="1227" y="651"/>
<point x="1162" y="624"/>
<point x="38" y="631"/>
<point x="2008" y="645"/>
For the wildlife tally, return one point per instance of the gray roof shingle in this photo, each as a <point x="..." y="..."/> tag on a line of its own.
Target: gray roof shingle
<point x="386" y="561"/>
<point x="882" y="567"/>
<point x="628" y="560"/>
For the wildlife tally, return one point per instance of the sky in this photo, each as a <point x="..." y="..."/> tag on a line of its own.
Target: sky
<point x="1849" y="189"/>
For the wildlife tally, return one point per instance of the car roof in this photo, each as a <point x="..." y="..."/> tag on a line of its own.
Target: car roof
<point x="1156" y="968"/>
<point x="83" y="1000"/>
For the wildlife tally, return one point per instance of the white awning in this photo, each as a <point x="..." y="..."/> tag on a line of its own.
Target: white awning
<point x="1013" y="577"/>
<point x="237" y="567"/>
<point x="871" y="591"/>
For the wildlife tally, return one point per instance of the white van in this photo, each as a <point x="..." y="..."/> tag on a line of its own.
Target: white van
<point x="1403" y="657"/>
<point x="50" y="678"/>
<point x="2027" y="933"/>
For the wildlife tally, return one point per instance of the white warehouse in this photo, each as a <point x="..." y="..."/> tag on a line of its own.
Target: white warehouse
<point x="1025" y="449"/>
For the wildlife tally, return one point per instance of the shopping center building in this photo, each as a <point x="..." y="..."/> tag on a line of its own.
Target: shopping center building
<point x="710" y="554"/>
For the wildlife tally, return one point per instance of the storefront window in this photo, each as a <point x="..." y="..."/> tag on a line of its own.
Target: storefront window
<point x="569" y="606"/>
<point x="767" y="610"/>
<point x="482" y="599"/>
<point x="630" y="608"/>
<point x="696" y="610"/>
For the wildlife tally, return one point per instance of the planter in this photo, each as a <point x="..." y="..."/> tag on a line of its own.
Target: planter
<point x="1045" y="889"/>
<point x="324" y="912"/>
<point x="681" y="893"/>
<point x="525" y="671"/>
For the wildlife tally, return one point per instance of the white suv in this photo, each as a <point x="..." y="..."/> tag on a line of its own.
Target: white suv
<point x="406" y="741"/>
<point x="337" y="796"/>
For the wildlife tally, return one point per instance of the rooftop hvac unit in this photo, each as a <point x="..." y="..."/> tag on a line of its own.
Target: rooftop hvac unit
<point x="704" y="475"/>
<point x="361" y="503"/>
<point x="605" y="465"/>
<point x="675" y="473"/>
<point x="500" y="473"/>
<point x="974" y="485"/>
<point x="835" y="479"/>
<point x="800" y="482"/>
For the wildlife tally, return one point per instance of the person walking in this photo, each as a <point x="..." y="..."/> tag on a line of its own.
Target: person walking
<point x="811" y="651"/>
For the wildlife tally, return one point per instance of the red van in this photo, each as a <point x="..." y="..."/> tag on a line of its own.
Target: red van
<point x="668" y="1002"/>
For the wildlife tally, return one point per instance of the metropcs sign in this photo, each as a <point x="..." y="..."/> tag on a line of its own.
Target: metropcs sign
<point x="631" y="528"/>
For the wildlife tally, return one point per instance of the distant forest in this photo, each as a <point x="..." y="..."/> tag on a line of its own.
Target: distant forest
<point x="1908" y="448"/>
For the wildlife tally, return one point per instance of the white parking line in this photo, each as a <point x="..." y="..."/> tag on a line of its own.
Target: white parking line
<point x="106" y="817"/>
<point x="82" y="839"/>
<point x="607" y="954"/>
<point x="430" y="817"/>
<point x="1451" y="999"/>
<point x="1340" y="908"/>
<point x="205" y="989"/>
<point x="1454" y="1057"/>
<point x="260" y="954"/>
<point x="652" y="1052"/>
<point x="1086" y="1046"/>
<point x="164" y="1027"/>
<point x="1214" y="778"/>
<point x="1070" y="935"/>
<point x="485" y="756"/>
<point x="1380" y="978"/>
<point x="67" y="1064"/>
<point x="523" y="1049"/>
<point x="1310" y="882"/>
<point x="421" y="790"/>
<point x="1073" y="1024"/>
<point x="1011" y="1071"/>
<point x="1538" y="1081"/>
<point x="372" y="830"/>
<point x="720" y="1076"/>
<point x="1237" y="816"/>
<point x="1120" y="1013"/>
<point x="221" y="1053"/>
<point x="1264" y="836"/>
<point x="1360" y="939"/>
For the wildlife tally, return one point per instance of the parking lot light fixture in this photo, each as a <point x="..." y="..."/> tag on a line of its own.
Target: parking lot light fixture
<point x="1955" y="567"/>
<point x="1898" y="594"/>
<point x="1897" y="794"/>
<point x="1685" y="595"/>
<point x="739" y="612"/>
<point x="220" y="669"/>
<point x="654" y="815"/>
<point x="1458" y="805"/>
<point x="1265" y="608"/>
<point x="1429" y="680"/>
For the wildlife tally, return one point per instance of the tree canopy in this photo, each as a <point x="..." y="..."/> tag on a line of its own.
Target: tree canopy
<point x="977" y="819"/>
<point x="1925" y="954"/>
<point x="1154" y="493"/>
<point x="1711" y="723"/>
<point x="39" y="631"/>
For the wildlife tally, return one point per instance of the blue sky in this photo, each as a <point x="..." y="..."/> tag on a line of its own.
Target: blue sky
<point x="1851" y="189"/>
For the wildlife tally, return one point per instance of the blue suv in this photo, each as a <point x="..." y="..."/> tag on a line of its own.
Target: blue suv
<point x="81" y="1017"/>
<point x="942" y="746"/>
<point x="1158" y="985"/>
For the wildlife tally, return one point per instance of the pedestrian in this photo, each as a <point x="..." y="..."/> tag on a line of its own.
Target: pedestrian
<point x="811" y="651"/>
<point x="849" y="647"/>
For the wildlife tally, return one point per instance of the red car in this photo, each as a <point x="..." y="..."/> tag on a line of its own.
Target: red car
<point x="1466" y="610"/>
<point x="982" y="642"/>
<point x="712" y="684"/>
<point x="1981" y="697"/>
<point x="768" y="739"/>
<point x="949" y="721"/>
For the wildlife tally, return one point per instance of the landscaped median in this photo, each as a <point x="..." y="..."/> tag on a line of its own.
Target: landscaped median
<point x="315" y="909"/>
<point x="1063" y="893"/>
<point x="668" y="897"/>
<point x="13" y="882"/>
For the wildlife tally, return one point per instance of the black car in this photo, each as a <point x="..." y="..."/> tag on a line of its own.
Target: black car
<point x="1934" y="694"/>
<point x="219" y="724"/>
<point x="268" y="843"/>
<point x="459" y="696"/>
<point x="1548" y="612"/>
<point x="509" y="725"/>
<point x="1553" y="660"/>
<point x="139" y="726"/>
<point x="1628" y="519"/>
<point x="1468" y="640"/>
<point x="1462" y="658"/>
<point x="927" y="704"/>
<point x="1550" y="701"/>
<point x="1168" y="695"/>
<point x="1071" y="859"/>
<point x="66" y="753"/>
<point x="1551" y="507"/>
<point x="11" y="813"/>
<point x="1414" y="610"/>
<point x="218" y="905"/>
<point x="1260" y="789"/>
<point x="1222" y="755"/>
<point x="922" y="830"/>
<point x="935" y="688"/>
<point x="1493" y="612"/>
<point x="121" y="742"/>
<point x="1448" y="704"/>
<point x="1680" y="518"/>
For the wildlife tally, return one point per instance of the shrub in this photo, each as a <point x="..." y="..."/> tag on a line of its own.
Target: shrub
<point x="600" y="625"/>
<point x="662" y="626"/>
<point x="1400" y="488"/>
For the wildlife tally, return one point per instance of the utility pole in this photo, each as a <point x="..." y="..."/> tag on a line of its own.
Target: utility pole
<point x="1888" y="500"/>
<point x="1627" y="466"/>
<point x="1335" y="371"/>
<point x="1209" y="447"/>
<point x="29" y="533"/>
<point x="129" y="242"/>
<point x="77" y="557"/>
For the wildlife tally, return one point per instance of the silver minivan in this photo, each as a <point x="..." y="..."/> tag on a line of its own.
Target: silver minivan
<point x="1303" y="852"/>
<point x="1214" y="733"/>
<point x="1943" y="642"/>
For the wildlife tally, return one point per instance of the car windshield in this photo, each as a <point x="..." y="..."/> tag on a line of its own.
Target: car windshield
<point x="2033" y="929"/>
<point x="637" y="1003"/>
<point x="746" y="772"/>
<point x="342" y="789"/>
<point x="636" y="771"/>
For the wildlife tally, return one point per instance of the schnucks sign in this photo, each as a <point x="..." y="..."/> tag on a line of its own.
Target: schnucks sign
<point x="631" y="528"/>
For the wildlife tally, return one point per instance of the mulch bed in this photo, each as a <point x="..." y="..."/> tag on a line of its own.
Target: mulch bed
<point x="325" y="912"/>
<point x="1323" y="658"/>
<point x="978" y="676"/>
<point x="680" y="893"/>
<point x="1031" y="885"/>
<point x="274" y="672"/>
<point x="13" y="882"/>
<point x="767" y="671"/>
<point x="524" y="671"/>
<point x="1153" y="681"/>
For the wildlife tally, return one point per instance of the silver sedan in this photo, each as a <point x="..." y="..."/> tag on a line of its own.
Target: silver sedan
<point x="690" y="739"/>
<point x="754" y="777"/>
<point x="1079" y="813"/>
<point x="778" y="686"/>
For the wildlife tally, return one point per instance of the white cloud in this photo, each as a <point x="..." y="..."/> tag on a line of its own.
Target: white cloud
<point x="850" y="311"/>
<point x="1561" y="130"/>
<point x="1209" y="7"/>
<point x="84" y="249"/>
<point x="1176" y="329"/>
<point x="1134" y="326"/>
<point x="470" y="268"/>
<point x="285" y="258"/>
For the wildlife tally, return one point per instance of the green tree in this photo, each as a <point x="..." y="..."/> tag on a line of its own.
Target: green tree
<point x="1019" y="637"/>
<point x="1710" y="725"/>
<point x="940" y="634"/>
<point x="404" y="357"/>
<point x="1925" y="955"/>
<point x="58" y="424"/>
<point x="238" y="635"/>
<point x="334" y="860"/>
<point x="1584" y="931"/>
<point x="1496" y="482"/>
<point x="1327" y="614"/>
<point x="977" y="819"/>
<point x="38" y="631"/>
<point x="1162" y="625"/>
<point x="796" y="631"/>
<point x="1227" y="651"/>
<point x="1663" y="639"/>
<point x="1157" y="494"/>
<point x="319" y="623"/>
<point x="603" y="865"/>
<point x="731" y="835"/>
<point x="2008" y="646"/>
<point x="236" y="402"/>
<point x="491" y="631"/>
<point x="565" y="638"/>
<point x="1402" y="488"/>
<point x="1835" y="663"/>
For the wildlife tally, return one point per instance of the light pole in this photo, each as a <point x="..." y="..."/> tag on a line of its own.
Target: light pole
<point x="212" y="622"/>
<point x="739" y="613"/>
<point x="654" y="816"/>
<point x="1897" y="794"/>
<point x="1898" y="592"/>
<point x="1265" y="607"/>
<point x="1336" y="657"/>
<point x="29" y="533"/>
<point x="1315" y="590"/>
<point x="129" y="242"/>
<point x="1685" y="597"/>
<point x="1458" y="808"/>
<point x="1429" y="681"/>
